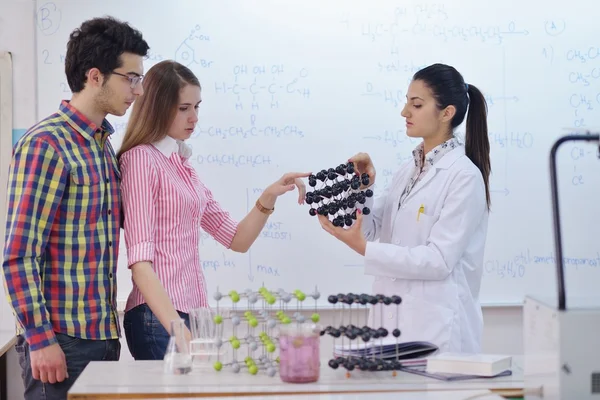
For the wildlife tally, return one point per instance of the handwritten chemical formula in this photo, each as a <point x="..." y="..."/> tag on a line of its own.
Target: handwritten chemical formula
<point x="188" y="52"/>
<point x="259" y="87"/>
<point x="516" y="267"/>
<point x="250" y="131"/>
<point x="432" y="21"/>
<point x="579" y="66"/>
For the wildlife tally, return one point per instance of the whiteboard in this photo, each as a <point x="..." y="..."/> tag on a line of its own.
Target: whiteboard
<point x="303" y="85"/>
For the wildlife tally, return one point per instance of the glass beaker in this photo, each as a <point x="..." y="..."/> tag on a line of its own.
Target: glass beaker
<point x="177" y="358"/>
<point x="207" y="336"/>
<point x="299" y="353"/>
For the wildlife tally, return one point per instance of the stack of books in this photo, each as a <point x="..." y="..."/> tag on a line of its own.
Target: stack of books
<point x="458" y="366"/>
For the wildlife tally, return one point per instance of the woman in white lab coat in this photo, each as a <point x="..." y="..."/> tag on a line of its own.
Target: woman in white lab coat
<point x="431" y="221"/>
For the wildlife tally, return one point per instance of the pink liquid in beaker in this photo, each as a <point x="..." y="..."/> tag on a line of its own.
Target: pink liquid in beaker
<point x="299" y="358"/>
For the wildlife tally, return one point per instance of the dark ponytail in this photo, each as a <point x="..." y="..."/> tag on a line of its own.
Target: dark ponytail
<point x="477" y="144"/>
<point x="449" y="88"/>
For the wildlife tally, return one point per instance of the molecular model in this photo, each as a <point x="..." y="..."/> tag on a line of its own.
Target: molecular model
<point x="376" y="357"/>
<point x="338" y="194"/>
<point x="254" y="318"/>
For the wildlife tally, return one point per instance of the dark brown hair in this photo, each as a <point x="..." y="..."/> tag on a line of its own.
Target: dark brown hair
<point x="99" y="43"/>
<point x="449" y="88"/>
<point x="154" y="111"/>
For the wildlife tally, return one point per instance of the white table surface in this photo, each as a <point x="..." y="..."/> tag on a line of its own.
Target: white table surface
<point x="436" y="395"/>
<point x="145" y="379"/>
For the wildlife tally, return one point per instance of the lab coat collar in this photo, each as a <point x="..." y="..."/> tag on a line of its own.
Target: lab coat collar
<point x="450" y="157"/>
<point x="443" y="163"/>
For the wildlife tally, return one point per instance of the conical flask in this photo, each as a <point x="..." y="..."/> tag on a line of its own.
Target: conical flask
<point x="177" y="359"/>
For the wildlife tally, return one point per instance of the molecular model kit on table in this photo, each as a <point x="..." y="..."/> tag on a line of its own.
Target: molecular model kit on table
<point x="271" y="333"/>
<point x="263" y="311"/>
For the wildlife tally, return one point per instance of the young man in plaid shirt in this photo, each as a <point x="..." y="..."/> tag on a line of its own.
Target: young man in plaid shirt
<point x="63" y="222"/>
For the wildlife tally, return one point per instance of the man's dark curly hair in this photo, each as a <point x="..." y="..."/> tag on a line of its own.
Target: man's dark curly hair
<point x="99" y="43"/>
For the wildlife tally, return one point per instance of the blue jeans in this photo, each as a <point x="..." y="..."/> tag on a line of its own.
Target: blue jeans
<point x="146" y="338"/>
<point x="78" y="353"/>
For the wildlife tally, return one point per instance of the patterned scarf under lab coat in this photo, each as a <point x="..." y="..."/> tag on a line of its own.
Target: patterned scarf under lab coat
<point x="421" y="168"/>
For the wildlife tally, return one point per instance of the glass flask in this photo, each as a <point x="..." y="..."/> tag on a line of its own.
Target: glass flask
<point x="178" y="360"/>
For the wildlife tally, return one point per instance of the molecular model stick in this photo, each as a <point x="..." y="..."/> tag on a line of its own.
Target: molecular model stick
<point x="265" y="311"/>
<point x="338" y="194"/>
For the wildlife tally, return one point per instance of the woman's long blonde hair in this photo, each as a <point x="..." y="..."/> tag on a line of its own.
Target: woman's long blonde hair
<point x="154" y="111"/>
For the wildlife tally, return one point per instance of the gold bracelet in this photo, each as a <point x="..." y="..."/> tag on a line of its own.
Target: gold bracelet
<point x="264" y="210"/>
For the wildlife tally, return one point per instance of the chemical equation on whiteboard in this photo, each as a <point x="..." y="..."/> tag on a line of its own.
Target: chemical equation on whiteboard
<point x="395" y="98"/>
<point x="233" y="160"/>
<point x="583" y="55"/>
<point x="48" y="18"/>
<point x="587" y="77"/>
<point x="584" y="73"/>
<point x="263" y="86"/>
<point x="241" y="132"/>
<point x="579" y="154"/>
<point x="516" y="140"/>
<point x="250" y="132"/>
<point x="187" y="53"/>
<point x="399" y="66"/>
<point x="505" y="269"/>
<point x="495" y="34"/>
<point x="392" y="138"/>
<point x="516" y="267"/>
<point x="584" y="105"/>
<point x="434" y="22"/>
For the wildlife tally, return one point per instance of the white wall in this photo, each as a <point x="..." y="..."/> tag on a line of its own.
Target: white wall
<point x="17" y="36"/>
<point x="503" y="326"/>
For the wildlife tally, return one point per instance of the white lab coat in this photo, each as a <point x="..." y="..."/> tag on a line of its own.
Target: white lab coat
<point x="434" y="264"/>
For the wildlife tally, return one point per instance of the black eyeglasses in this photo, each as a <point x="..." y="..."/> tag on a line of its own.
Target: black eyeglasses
<point x="133" y="79"/>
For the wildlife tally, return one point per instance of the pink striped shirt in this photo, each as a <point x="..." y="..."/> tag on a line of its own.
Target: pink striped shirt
<point x="165" y="204"/>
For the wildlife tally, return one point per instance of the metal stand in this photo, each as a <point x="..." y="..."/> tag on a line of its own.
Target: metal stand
<point x="560" y="275"/>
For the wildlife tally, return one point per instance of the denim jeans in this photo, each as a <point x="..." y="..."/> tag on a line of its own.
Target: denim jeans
<point x="146" y="338"/>
<point x="78" y="353"/>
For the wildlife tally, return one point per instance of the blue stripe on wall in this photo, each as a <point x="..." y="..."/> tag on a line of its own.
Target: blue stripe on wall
<point x="16" y="135"/>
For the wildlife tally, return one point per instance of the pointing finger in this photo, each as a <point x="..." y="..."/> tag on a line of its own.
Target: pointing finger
<point x="295" y="175"/>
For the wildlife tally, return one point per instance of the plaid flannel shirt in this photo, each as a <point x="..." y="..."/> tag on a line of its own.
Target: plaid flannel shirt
<point x="62" y="230"/>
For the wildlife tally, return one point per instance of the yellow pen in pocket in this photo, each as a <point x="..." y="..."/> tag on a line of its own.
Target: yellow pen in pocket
<point x="421" y="211"/>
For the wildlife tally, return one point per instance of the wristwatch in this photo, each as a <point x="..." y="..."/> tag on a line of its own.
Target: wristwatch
<point x="264" y="210"/>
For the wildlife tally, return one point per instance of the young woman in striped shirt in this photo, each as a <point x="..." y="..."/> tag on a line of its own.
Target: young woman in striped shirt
<point x="165" y="205"/>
